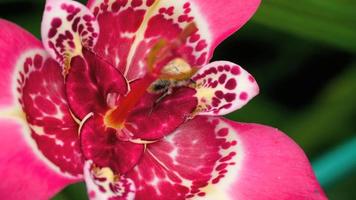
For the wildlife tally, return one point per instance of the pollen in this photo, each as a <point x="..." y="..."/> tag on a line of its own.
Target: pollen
<point x="178" y="69"/>
<point x="105" y="172"/>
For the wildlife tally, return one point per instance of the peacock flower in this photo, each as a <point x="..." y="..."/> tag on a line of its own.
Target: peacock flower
<point x="120" y="94"/>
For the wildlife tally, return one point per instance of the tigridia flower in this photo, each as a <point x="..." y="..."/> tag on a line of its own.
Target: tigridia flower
<point x="121" y="94"/>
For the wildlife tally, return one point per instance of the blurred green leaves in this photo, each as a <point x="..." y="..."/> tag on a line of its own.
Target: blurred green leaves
<point x="329" y="21"/>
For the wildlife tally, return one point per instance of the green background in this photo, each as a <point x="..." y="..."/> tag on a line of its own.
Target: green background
<point x="303" y="54"/>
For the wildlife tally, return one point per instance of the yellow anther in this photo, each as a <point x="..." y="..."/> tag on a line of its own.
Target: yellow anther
<point x="177" y="69"/>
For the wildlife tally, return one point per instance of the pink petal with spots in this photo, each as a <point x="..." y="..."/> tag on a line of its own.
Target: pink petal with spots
<point x="21" y="162"/>
<point x="67" y="27"/>
<point x="186" y="163"/>
<point x="226" y="17"/>
<point x="104" y="147"/>
<point x="102" y="184"/>
<point x="152" y="119"/>
<point x="38" y="87"/>
<point x="223" y="87"/>
<point x="24" y="174"/>
<point x="130" y="28"/>
<point x="92" y="83"/>
<point x="43" y="99"/>
<point x="212" y="158"/>
<point x="13" y="42"/>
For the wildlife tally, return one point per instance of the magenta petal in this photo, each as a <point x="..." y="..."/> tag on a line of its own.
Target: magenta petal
<point x="25" y="89"/>
<point x="14" y="41"/>
<point x="212" y="158"/>
<point x="129" y="29"/>
<point x="153" y="121"/>
<point x="43" y="99"/>
<point x="272" y="166"/>
<point x="90" y="82"/>
<point x="102" y="146"/>
<point x="187" y="162"/>
<point x="226" y="17"/>
<point x="25" y="174"/>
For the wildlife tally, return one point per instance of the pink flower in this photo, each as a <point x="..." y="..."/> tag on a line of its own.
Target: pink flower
<point x="120" y="94"/>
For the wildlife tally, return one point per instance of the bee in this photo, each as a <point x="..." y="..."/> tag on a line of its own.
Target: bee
<point x="176" y="73"/>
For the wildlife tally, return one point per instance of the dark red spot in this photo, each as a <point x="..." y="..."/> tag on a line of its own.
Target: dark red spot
<point x="186" y="11"/>
<point x="236" y="70"/>
<point x="195" y="37"/>
<point x="75" y="24"/>
<point x="201" y="45"/>
<point x="201" y="194"/>
<point x="52" y="32"/>
<point x="223" y="132"/>
<point x="243" y="96"/>
<point x="214" y="84"/>
<point x="170" y="11"/>
<point x="186" y="5"/>
<point x="230" y="97"/>
<point x="221" y="166"/>
<point x="227" y="106"/>
<point x="227" y="67"/>
<point x="56" y="22"/>
<point x="162" y="10"/>
<point x="231" y="84"/>
<point x="38" y="61"/>
<point x="115" y="6"/>
<point x="215" y="102"/>
<point x="222" y="78"/>
<point x="64" y="6"/>
<point x="150" y="2"/>
<point x="182" y="18"/>
<point x="70" y="9"/>
<point x="251" y="79"/>
<point x="87" y="18"/>
<point x="69" y="35"/>
<point x="136" y="3"/>
<point x="228" y="157"/>
<point x="202" y="59"/>
<point x="219" y="94"/>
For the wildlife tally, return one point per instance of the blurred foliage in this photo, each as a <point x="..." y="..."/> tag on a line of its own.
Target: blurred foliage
<point x="302" y="53"/>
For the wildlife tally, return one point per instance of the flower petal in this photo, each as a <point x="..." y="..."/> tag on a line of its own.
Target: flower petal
<point x="140" y="24"/>
<point x="67" y="27"/>
<point x="102" y="183"/>
<point x="223" y="87"/>
<point x="212" y="158"/>
<point x="102" y="145"/>
<point x="226" y="17"/>
<point x="90" y="83"/>
<point x="13" y="42"/>
<point x="153" y="119"/>
<point x="195" y="156"/>
<point x="271" y="164"/>
<point x="25" y="172"/>
<point x="41" y="93"/>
